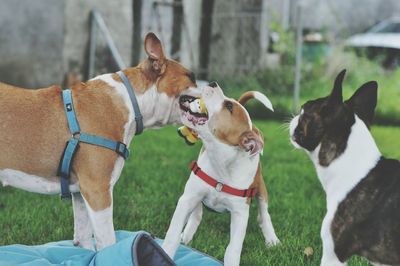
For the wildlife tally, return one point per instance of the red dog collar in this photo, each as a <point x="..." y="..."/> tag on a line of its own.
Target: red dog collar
<point x="246" y="193"/>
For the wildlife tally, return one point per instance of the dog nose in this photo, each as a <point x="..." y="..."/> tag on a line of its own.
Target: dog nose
<point x="213" y="84"/>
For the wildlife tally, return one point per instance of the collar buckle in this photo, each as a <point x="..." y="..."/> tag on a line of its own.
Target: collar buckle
<point x="219" y="187"/>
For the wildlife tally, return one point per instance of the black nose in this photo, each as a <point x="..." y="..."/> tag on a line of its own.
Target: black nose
<point x="213" y="84"/>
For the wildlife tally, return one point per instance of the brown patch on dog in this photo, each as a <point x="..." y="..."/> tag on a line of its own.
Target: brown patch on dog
<point x="258" y="182"/>
<point x="104" y="114"/>
<point x="169" y="76"/>
<point x="34" y="129"/>
<point x="140" y="81"/>
<point x="37" y="150"/>
<point x="245" y="97"/>
<point x="173" y="80"/>
<point x="33" y="132"/>
<point x="231" y="125"/>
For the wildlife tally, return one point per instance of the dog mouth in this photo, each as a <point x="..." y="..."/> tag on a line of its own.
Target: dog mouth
<point x="196" y="118"/>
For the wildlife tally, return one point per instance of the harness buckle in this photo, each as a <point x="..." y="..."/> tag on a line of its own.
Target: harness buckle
<point x="219" y="187"/>
<point x="76" y="135"/>
<point x="122" y="150"/>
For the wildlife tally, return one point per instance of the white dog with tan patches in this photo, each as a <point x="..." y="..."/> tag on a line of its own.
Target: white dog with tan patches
<point x="35" y="129"/>
<point x="227" y="174"/>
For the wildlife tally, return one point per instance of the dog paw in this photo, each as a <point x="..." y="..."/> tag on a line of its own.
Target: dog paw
<point x="185" y="239"/>
<point x="87" y="244"/>
<point x="272" y="242"/>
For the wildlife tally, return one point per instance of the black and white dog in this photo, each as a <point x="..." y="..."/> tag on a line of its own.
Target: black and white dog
<point x="362" y="187"/>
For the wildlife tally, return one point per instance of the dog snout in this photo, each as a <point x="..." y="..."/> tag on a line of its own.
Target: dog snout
<point x="298" y="134"/>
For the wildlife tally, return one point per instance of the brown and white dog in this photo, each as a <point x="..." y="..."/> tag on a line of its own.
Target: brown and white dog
<point x="34" y="131"/>
<point x="231" y="155"/>
<point x="362" y="187"/>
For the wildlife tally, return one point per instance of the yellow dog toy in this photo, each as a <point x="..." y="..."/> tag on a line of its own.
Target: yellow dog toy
<point x="190" y="137"/>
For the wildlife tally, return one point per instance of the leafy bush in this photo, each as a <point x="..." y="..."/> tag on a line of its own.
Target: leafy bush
<point x="317" y="81"/>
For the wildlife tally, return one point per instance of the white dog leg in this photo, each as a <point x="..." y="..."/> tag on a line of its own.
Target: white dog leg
<point x="185" y="206"/>
<point x="192" y="224"/>
<point x="329" y="257"/>
<point x="102" y="224"/>
<point x="82" y="228"/>
<point x="265" y="223"/>
<point x="239" y="221"/>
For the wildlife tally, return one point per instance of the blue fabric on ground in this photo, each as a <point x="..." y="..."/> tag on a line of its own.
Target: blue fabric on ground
<point x="64" y="253"/>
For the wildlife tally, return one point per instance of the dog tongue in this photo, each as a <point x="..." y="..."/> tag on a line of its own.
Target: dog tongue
<point x="196" y="120"/>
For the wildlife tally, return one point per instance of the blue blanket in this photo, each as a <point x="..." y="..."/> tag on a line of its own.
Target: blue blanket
<point x="126" y="251"/>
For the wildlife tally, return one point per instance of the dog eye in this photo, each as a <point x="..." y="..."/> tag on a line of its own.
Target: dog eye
<point x="229" y="106"/>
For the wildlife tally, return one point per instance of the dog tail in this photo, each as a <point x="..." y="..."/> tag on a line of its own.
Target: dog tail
<point x="258" y="96"/>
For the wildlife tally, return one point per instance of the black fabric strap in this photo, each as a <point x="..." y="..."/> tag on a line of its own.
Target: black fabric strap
<point x="135" y="105"/>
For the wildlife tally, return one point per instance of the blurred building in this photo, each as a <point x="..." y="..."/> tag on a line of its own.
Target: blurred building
<point x="42" y="40"/>
<point x="339" y="18"/>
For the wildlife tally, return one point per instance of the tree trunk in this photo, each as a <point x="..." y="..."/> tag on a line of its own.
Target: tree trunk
<point x="137" y="32"/>
<point x="205" y="36"/>
<point x="176" y="29"/>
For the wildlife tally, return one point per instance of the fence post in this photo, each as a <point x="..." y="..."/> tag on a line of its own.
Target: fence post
<point x="92" y="47"/>
<point x="299" y="46"/>
<point x="264" y="33"/>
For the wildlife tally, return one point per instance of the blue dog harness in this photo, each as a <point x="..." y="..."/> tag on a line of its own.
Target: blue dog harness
<point x="78" y="136"/>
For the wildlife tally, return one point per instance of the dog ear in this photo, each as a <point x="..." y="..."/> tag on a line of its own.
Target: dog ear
<point x="336" y="96"/>
<point x="153" y="48"/>
<point x="252" y="141"/>
<point x="363" y="101"/>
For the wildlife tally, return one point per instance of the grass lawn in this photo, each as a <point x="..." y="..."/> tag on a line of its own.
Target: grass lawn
<point x="153" y="179"/>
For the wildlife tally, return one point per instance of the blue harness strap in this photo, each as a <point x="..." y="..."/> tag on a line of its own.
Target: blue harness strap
<point x="116" y="146"/>
<point x="70" y="112"/>
<point x="135" y="105"/>
<point x="78" y="136"/>
<point x="65" y="166"/>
